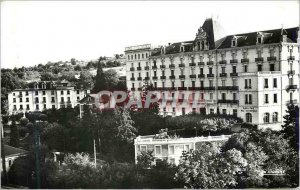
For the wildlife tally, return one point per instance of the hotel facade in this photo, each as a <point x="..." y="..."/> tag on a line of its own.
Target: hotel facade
<point x="40" y="96"/>
<point x="253" y="76"/>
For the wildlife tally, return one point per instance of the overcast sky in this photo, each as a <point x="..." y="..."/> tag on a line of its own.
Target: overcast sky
<point x="38" y="32"/>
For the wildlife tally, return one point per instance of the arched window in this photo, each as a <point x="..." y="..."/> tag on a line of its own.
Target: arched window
<point x="131" y="57"/>
<point x="198" y="45"/>
<point x="9" y="162"/>
<point x="248" y="117"/>
<point x="275" y="117"/>
<point x="267" y="118"/>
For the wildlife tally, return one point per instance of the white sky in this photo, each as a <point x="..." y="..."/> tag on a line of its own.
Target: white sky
<point x="38" y="32"/>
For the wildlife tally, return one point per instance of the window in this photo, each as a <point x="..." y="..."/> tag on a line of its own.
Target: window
<point x="44" y="99"/>
<point x="36" y="92"/>
<point x="163" y="84"/>
<point x="21" y="107"/>
<point x="275" y="98"/>
<point x="52" y="99"/>
<point x="210" y="70"/>
<point x="62" y="92"/>
<point x="27" y="107"/>
<point x="171" y="149"/>
<point x="183" y="111"/>
<point x="223" y="96"/>
<point x="36" y="100"/>
<point x="223" y="82"/>
<point x="233" y="69"/>
<point x="27" y="99"/>
<point x="202" y="96"/>
<point x="248" y="98"/>
<point x="266" y="117"/>
<point x="53" y="106"/>
<point x="275" y="117"/>
<point x="211" y="96"/>
<point x="14" y="94"/>
<point x="233" y="42"/>
<point x="234" y="82"/>
<point x="248" y="117"/>
<point x="182" y="83"/>
<point x="235" y="112"/>
<point x="132" y="85"/>
<point x="210" y="83"/>
<point x="155" y="84"/>
<point x="272" y="67"/>
<point x="245" y="68"/>
<point x="157" y="150"/>
<point x="172" y="161"/>
<point x="69" y="99"/>
<point x="21" y="100"/>
<point x="224" y="111"/>
<point x="27" y="93"/>
<point x="173" y="84"/>
<point x="77" y="91"/>
<point x="202" y="83"/>
<point x="62" y="99"/>
<point x="259" y="40"/>
<point x="20" y="93"/>
<point x="37" y="107"/>
<point x="266" y="98"/>
<point x="193" y="84"/>
<point x="201" y="71"/>
<point x="143" y="148"/>
<point x="212" y="111"/>
<point x="172" y="72"/>
<point x="234" y="96"/>
<point x="14" y="100"/>
<point x="247" y="83"/>
<point x="259" y="68"/>
<point x="68" y="92"/>
<point x="44" y="92"/>
<point x="45" y="106"/>
<point x="52" y="92"/>
<point x="155" y="73"/>
<point x="187" y="148"/>
<point x="275" y="83"/>
<point x="266" y="83"/>
<point x="15" y="107"/>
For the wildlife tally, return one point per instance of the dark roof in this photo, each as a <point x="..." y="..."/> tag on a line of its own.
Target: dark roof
<point x="50" y="84"/>
<point x="88" y="99"/>
<point x="12" y="151"/>
<point x="208" y="27"/>
<point x="272" y="36"/>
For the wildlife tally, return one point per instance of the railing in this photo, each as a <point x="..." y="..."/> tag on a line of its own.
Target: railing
<point x="182" y="88"/>
<point x="210" y="75"/>
<point x="162" y="77"/>
<point x="154" y="78"/>
<point x="291" y="87"/>
<point x="201" y="75"/>
<point x="62" y="102"/>
<point x="259" y="59"/>
<point x="139" y="68"/>
<point x="272" y="58"/>
<point x="234" y="74"/>
<point x="291" y="72"/>
<point x="133" y="89"/>
<point x="147" y="78"/>
<point x="210" y="88"/>
<point x="291" y="102"/>
<point x="244" y="60"/>
<point x="228" y="87"/>
<point x="172" y="66"/>
<point x="234" y="61"/>
<point x="139" y="78"/>
<point x="248" y="87"/>
<point x="210" y="63"/>
<point x="181" y="76"/>
<point x="132" y="79"/>
<point x="222" y="62"/>
<point x="162" y="66"/>
<point x="228" y="101"/>
<point x="291" y="58"/>
<point x="131" y="69"/>
<point x="146" y="67"/>
<point x="193" y="76"/>
<point x="192" y="64"/>
<point x="154" y="67"/>
<point x="52" y="101"/>
<point x="223" y="74"/>
<point x="172" y="77"/>
<point x="181" y="65"/>
<point x="200" y="63"/>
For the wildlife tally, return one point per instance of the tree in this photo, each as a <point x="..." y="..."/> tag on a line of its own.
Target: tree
<point x="290" y="129"/>
<point x="48" y="76"/>
<point x="145" y="159"/>
<point x="85" y="80"/>
<point x="125" y="128"/>
<point x="73" y="61"/>
<point x="100" y="78"/>
<point x="14" y="134"/>
<point x="111" y="79"/>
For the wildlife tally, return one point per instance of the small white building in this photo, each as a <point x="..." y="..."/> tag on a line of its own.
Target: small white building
<point x="171" y="148"/>
<point x="11" y="153"/>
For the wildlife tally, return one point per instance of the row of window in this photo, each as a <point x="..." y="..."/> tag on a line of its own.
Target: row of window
<point x="171" y="149"/>
<point x="37" y="107"/>
<point x="44" y="92"/>
<point x="137" y="56"/>
<point x="203" y="111"/>
<point x="44" y="99"/>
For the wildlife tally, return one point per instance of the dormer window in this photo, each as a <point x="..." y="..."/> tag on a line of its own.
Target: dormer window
<point x="234" y="41"/>
<point x="162" y="50"/>
<point x="181" y="48"/>
<point x="260" y="38"/>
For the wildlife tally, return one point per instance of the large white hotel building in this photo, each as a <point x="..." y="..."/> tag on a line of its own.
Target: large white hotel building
<point x="252" y="75"/>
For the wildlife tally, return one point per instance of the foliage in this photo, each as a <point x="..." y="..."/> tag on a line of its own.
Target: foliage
<point x="14" y="134"/>
<point x="145" y="159"/>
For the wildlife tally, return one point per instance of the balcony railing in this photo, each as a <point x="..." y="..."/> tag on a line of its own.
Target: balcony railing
<point x="62" y="102"/>
<point x="228" y="88"/>
<point x="291" y="72"/>
<point x="52" y="101"/>
<point x="228" y="101"/>
<point x="154" y="78"/>
<point x="146" y="67"/>
<point x="291" y="87"/>
<point x="222" y="62"/>
<point x="139" y="78"/>
<point x="181" y="65"/>
<point x="234" y="61"/>
<point x="291" y="102"/>
<point x="273" y="58"/>
<point x="291" y="58"/>
<point x="234" y="74"/>
<point x="210" y="63"/>
<point x="162" y="66"/>
<point x="139" y="88"/>
<point x="133" y="89"/>
<point x="209" y="88"/>
<point x="201" y="75"/>
<point x="172" y="77"/>
<point x="248" y="87"/>
<point x="210" y="75"/>
<point x="181" y="76"/>
<point x="162" y="77"/>
<point x="193" y="76"/>
<point x="147" y="78"/>
<point x="132" y="79"/>
<point x="201" y="64"/>
<point x="192" y="64"/>
<point x="223" y="74"/>
<point x="154" y="67"/>
<point x="244" y="60"/>
<point x="172" y="66"/>
<point x="131" y="68"/>
<point x="139" y="68"/>
<point x="259" y="59"/>
<point x="182" y="88"/>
